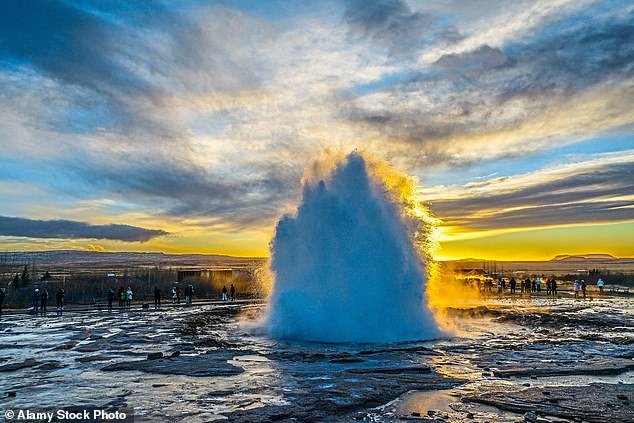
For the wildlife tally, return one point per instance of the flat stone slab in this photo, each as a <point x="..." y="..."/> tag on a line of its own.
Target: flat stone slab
<point x="206" y="365"/>
<point x="598" y="402"/>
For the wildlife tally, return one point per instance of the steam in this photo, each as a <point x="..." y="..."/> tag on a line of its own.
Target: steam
<point x="350" y="265"/>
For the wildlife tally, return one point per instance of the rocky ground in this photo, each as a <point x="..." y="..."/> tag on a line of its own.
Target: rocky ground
<point x="506" y="360"/>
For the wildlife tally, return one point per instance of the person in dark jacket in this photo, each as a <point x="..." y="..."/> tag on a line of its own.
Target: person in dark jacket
<point x="2" y="295"/>
<point x="189" y="294"/>
<point x="59" y="297"/>
<point x="110" y="299"/>
<point x="157" y="297"/>
<point x="224" y="293"/>
<point x="43" y="301"/>
<point x="232" y="292"/>
<point x="513" y="283"/>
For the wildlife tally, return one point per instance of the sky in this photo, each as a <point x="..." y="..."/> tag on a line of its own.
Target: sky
<point x="186" y="126"/>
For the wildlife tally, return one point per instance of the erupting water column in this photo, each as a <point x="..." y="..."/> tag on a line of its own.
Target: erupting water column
<point x="346" y="266"/>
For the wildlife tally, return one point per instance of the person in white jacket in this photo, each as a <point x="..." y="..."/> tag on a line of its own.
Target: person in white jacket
<point x="600" y="285"/>
<point x="577" y="287"/>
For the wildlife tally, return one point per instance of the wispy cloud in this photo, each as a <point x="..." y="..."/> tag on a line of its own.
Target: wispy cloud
<point x="595" y="191"/>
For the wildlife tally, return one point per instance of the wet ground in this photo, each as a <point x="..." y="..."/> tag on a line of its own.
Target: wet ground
<point x="509" y="360"/>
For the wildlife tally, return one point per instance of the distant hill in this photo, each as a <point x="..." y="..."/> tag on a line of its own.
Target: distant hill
<point x="562" y="264"/>
<point x="584" y="257"/>
<point x="79" y="257"/>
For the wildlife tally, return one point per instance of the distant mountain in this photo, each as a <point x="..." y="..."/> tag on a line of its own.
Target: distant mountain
<point x="584" y="257"/>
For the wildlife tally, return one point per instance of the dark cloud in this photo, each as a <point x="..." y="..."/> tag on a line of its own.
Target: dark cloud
<point x="66" y="42"/>
<point x="121" y="62"/>
<point x="68" y="229"/>
<point x="390" y="23"/>
<point x="176" y="185"/>
<point x="598" y="195"/>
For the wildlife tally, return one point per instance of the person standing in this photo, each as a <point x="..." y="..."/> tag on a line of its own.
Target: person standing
<point x="189" y="294"/>
<point x="224" y="293"/>
<point x="59" y="301"/>
<point x="599" y="284"/>
<point x="128" y="297"/>
<point x="178" y="295"/>
<point x="157" y="297"/>
<point x="2" y="295"/>
<point x="583" y="288"/>
<point x="121" y="296"/>
<point x="43" y="301"/>
<point x="232" y="291"/>
<point x="538" y="282"/>
<point x="36" y="301"/>
<point x="576" y="287"/>
<point x="548" y="286"/>
<point x="110" y="299"/>
<point x="553" y="287"/>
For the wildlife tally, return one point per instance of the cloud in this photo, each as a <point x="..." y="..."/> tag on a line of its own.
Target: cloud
<point x="390" y="23"/>
<point x="209" y="113"/>
<point x="513" y="99"/>
<point x="587" y="191"/>
<point x="67" y="229"/>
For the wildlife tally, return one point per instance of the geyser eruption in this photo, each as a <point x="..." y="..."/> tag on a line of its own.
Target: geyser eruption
<point x="347" y="266"/>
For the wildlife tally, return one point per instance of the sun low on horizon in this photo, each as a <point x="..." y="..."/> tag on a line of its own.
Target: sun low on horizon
<point x="187" y="127"/>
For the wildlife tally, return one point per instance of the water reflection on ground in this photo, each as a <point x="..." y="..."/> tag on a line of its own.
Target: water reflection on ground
<point x="551" y="357"/>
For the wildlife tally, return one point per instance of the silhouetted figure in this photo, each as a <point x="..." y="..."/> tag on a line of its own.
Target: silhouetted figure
<point x="36" y="301"/>
<point x="553" y="287"/>
<point x="232" y="291"/>
<point x="503" y="284"/>
<point x="157" y="297"/>
<point x="513" y="283"/>
<point x="534" y="286"/>
<point x="2" y="295"/>
<point x="189" y="294"/>
<point x="538" y="283"/>
<point x="178" y="295"/>
<point x="599" y="284"/>
<point x="548" y="287"/>
<point x="583" y="288"/>
<point x="224" y="293"/>
<point x="121" y="296"/>
<point x="576" y="287"/>
<point x="110" y="299"/>
<point x="43" y="301"/>
<point x="59" y="301"/>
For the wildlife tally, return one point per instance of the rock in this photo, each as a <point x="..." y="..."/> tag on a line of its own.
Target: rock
<point x="154" y="355"/>
<point x="11" y="394"/>
<point x="430" y="412"/>
<point x="347" y="360"/>
<point x="530" y="417"/>
<point x="621" y="396"/>
<point x="90" y="358"/>
<point x="546" y="392"/>
<point x="29" y="362"/>
<point x="415" y="414"/>
<point x="213" y="364"/>
<point x="470" y="415"/>
<point x="526" y="384"/>
<point x="175" y="354"/>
